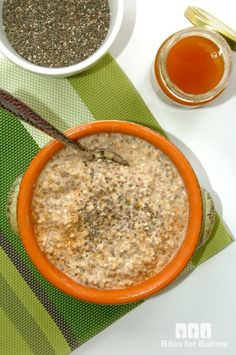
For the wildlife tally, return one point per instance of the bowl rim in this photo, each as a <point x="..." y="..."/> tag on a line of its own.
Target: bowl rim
<point x="145" y="288"/>
<point x="75" y="68"/>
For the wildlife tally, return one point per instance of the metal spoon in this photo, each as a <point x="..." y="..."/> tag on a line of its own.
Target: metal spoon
<point x="24" y="113"/>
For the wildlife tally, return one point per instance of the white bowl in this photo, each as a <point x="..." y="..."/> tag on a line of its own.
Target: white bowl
<point x="117" y="8"/>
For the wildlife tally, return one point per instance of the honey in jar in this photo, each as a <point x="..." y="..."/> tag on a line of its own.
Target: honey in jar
<point x="193" y="66"/>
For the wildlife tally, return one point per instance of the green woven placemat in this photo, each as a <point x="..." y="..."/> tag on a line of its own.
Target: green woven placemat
<point x="35" y="317"/>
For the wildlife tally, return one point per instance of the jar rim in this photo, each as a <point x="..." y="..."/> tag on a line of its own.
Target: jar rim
<point x="172" y="90"/>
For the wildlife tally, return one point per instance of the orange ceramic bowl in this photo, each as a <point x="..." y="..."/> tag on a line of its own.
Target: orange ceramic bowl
<point x="145" y="288"/>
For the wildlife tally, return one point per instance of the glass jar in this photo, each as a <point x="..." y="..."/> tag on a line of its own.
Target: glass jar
<point x="193" y="66"/>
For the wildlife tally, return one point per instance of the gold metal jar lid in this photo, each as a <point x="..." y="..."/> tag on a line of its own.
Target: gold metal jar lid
<point x="202" y="18"/>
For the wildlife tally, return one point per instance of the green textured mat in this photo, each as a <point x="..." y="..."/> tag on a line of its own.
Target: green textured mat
<point x="35" y="317"/>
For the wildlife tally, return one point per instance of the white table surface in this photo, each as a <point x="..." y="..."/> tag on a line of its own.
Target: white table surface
<point x="207" y="138"/>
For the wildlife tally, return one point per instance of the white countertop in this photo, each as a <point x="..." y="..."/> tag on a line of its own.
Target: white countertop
<point x="207" y="138"/>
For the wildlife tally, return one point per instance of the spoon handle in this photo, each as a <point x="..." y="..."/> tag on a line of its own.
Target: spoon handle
<point x="24" y="113"/>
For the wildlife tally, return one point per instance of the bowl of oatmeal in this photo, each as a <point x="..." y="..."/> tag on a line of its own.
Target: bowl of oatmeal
<point x="108" y="233"/>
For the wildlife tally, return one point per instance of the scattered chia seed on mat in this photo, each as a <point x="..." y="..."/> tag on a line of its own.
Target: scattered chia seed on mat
<point x="56" y="33"/>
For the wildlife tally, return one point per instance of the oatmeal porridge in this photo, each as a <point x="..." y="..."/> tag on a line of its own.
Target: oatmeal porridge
<point x="105" y="225"/>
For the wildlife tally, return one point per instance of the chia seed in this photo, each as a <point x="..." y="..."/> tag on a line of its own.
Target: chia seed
<point x="56" y="33"/>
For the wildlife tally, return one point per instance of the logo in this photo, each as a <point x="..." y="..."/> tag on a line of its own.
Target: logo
<point x="193" y="331"/>
<point x="193" y="335"/>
